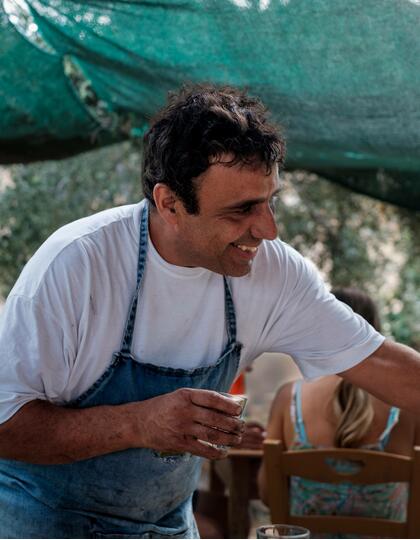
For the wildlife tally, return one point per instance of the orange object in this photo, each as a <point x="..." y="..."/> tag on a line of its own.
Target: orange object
<point x="238" y="386"/>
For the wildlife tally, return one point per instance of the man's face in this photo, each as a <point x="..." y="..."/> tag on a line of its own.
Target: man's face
<point x="236" y="214"/>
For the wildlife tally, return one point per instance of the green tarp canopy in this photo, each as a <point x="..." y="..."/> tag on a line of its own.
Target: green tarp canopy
<point x="342" y="77"/>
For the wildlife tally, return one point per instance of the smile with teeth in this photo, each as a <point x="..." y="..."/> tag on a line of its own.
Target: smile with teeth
<point x="246" y="248"/>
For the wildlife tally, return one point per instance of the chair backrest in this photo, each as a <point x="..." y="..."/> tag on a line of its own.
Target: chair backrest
<point x="374" y="467"/>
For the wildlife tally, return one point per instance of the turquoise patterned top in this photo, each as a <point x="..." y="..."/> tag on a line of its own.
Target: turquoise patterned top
<point x="387" y="500"/>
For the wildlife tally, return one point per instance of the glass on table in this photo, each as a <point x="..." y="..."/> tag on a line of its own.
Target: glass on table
<point x="282" y="531"/>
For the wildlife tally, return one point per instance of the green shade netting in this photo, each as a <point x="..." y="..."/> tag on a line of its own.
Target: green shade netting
<point x="343" y="78"/>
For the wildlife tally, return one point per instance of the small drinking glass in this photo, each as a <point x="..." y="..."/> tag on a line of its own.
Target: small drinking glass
<point x="241" y="400"/>
<point x="282" y="531"/>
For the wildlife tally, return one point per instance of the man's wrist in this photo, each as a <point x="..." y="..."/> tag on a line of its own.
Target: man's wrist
<point x="133" y="425"/>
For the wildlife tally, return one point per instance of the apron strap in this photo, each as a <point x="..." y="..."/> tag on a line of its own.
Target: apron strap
<point x="229" y="313"/>
<point x="143" y="245"/>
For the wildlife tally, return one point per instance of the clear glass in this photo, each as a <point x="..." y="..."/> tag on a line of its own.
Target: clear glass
<point x="242" y="400"/>
<point x="239" y="398"/>
<point x="282" y="531"/>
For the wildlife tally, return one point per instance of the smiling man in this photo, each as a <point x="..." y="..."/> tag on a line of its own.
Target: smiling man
<point x="124" y="325"/>
<point x="235" y="215"/>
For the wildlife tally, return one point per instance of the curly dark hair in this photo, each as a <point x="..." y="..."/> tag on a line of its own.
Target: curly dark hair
<point x="199" y="124"/>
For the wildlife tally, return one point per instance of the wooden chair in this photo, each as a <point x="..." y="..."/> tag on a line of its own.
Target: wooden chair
<point x="375" y="467"/>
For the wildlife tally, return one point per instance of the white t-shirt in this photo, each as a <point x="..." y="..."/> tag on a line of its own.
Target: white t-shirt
<point x="65" y="316"/>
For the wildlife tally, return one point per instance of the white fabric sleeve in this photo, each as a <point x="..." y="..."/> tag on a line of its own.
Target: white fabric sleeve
<point x="324" y="336"/>
<point x="34" y="356"/>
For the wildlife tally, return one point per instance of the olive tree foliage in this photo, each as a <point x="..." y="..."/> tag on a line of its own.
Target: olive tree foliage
<point x="37" y="199"/>
<point x="359" y="242"/>
<point x="404" y="307"/>
<point x="353" y="239"/>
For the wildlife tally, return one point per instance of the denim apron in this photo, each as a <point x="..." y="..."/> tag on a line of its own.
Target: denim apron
<point x="134" y="493"/>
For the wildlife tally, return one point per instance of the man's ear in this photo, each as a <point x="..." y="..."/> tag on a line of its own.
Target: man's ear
<point x="167" y="203"/>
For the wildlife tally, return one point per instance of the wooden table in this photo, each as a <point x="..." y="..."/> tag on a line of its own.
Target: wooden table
<point x="242" y="484"/>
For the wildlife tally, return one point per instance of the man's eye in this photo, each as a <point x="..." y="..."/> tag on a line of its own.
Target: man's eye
<point x="246" y="209"/>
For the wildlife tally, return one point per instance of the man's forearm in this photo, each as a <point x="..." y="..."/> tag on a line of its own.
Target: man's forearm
<point x="48" y="434"/>
<point x="391" y="373"/>
<point x="44" y="433"/>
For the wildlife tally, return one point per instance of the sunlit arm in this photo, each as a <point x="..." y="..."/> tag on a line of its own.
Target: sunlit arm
<point x="391" y="373"/>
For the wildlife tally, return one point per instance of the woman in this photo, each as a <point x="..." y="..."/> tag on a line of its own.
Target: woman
<point x="331" y="412"/>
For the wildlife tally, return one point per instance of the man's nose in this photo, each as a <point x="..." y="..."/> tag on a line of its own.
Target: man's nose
<point x="264" y="226"/>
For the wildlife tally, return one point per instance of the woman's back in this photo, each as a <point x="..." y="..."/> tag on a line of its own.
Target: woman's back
<point x="317" y="412"/>
<point x="303" y="416"/>
<point x="382" y="500"/>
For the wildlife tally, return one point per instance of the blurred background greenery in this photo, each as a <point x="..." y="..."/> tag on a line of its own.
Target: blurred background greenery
<point x="353" y="239"/>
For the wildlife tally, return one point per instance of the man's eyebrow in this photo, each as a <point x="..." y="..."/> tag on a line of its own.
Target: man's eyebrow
<point x="250" y="202"/>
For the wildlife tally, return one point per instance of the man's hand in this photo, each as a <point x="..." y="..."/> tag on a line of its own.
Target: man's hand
<point x="175" y="422"/>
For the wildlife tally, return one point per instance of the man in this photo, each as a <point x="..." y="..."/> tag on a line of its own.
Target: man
<point x="122" y="326"/>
